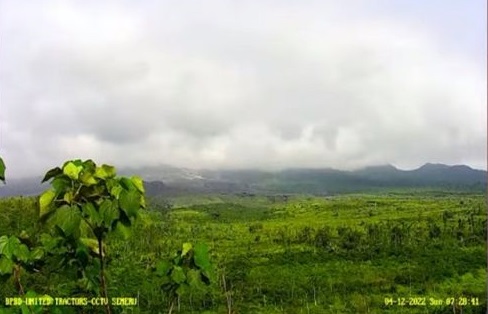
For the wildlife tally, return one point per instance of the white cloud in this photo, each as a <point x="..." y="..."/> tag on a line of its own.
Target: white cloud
<point x="219" y="85"/>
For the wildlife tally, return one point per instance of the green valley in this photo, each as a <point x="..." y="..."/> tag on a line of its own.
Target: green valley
<point x="359" y="253"/>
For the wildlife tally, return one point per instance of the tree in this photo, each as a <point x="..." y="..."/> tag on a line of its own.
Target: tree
<point x="86" y="202"/>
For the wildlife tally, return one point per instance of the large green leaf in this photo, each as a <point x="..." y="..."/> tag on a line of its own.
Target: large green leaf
<point x="36" y="254"/>
<point x="3" y="242"/>
<point x="69" y="196"/>
<point x="122" y="230"/>
<point x="138" y="183"/>
<point x="91" y="212"/>
<point x="54" y="172"/>
<point x="130" y="202"/>
<point x="85" y="229"/>
<point x="109" y="212"/>
<point x="77" y="162"/>
<point x="162" y="268"/>
<point x="92" y="244"/>
<point x="105" y="172"/>
<point x="142" y="201"/>
<point x="45" y="202"/>
<point x="82" y="254"/>
<point x="93" y="191"/>
<point x="127" y="184"/>
<point x="22" y="253"/>
<point x="87" y="178"/>
<point x="115" y="191"/>
<point x="89" y="165"/>
<point x="6" y="266"/>
<point x="178" y="275"/>
<point x="9" y="246"/>
<point x="49" y="242"/>
<point x="61" y="184"/>
<point x="72" y="170"/>
<point x="2" y="170"/>
<point x="194" y="278"/>
<point x="186" y="248"/>
<point x="177" y="259"/>
<point x="110" y="183"/>
<point x="201" y="256"/>
<point x="68" y="219"/>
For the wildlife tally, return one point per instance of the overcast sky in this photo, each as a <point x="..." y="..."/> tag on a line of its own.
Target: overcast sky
<point x="232" y="84"/>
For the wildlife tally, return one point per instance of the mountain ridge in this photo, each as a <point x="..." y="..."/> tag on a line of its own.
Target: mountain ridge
<point x="160" y="180"/>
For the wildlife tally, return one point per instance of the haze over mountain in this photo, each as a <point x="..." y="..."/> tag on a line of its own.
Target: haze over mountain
<point x="165" y="180"/>
<point x="242" y="84"/>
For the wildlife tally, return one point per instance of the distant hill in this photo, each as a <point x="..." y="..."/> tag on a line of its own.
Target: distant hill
<point x="325" y="180"/>
<point x="298" y="180"/>
<point x="33" y="186"/>
<point x="25" y="186"/>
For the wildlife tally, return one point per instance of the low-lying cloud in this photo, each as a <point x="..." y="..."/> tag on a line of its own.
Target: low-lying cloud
<point x="260" y="85"/>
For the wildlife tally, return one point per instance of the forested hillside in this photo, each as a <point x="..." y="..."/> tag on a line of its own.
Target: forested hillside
<point x="167" y="180"/>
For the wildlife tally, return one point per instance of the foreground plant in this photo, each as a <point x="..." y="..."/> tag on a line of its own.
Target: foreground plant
<point x="16" y="258"/>
<point x="86" y="202"/>
<point x="189" y="268"/>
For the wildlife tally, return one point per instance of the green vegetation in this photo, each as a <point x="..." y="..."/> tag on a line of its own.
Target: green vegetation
<point x="270" y="254"/>
<point x="188" y="268"/>
<point x="303" y="255"/>
<point x="85" y="204"/>
<point x="2" y="170"/>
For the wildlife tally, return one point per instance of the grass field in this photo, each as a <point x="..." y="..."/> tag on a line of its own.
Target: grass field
<point x="399" y="253"/>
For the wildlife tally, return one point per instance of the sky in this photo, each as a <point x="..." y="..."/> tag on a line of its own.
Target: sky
<point x="242" y="84"/>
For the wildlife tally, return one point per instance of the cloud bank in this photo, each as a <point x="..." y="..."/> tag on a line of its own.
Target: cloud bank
<point x="231" y="85"/>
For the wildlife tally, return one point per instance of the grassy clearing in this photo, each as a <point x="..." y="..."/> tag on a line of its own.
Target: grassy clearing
<point x="299" y="254"/>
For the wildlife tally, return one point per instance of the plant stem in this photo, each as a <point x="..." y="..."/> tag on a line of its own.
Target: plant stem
<point x="171" y="306"/>
<point x="103" y="284"/>
<point x="19" y="284"/>
<point x="227" y="295"/>
<point x="17" y="279"/>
